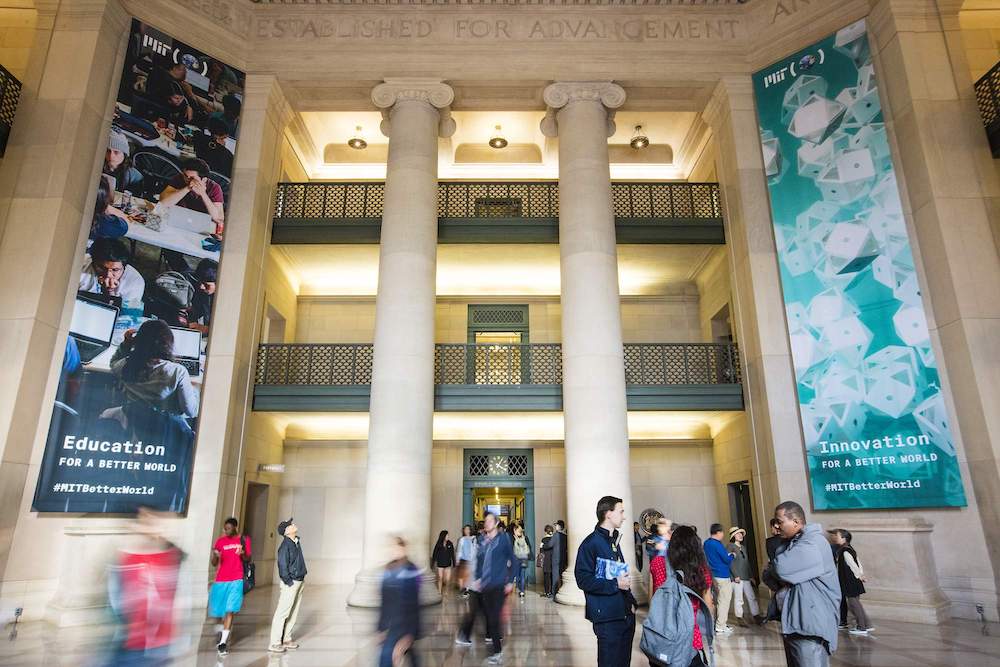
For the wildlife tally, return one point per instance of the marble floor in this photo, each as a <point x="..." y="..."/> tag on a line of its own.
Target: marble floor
<point x="542" y="634"/>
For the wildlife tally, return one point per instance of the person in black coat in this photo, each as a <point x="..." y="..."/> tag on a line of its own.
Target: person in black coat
<point x="852" y="577"/>
<point x="399" y="618"/>
<point x="545" y="551"/>
<point x="602" y="575"/>
<point x="560" y="555"/>
<point x="443" y="558"/>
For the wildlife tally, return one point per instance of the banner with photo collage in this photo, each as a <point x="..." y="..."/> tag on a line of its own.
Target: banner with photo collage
<point x="125" y="419"/>
<point x="870" y="399"/>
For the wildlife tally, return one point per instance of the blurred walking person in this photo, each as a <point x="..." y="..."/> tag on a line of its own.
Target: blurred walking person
<point x="292" y="573"/>
<point x="494" y="573"/>
<point x="443" y="558"/>
<point x="719" y="561"/>
<point x="522" y="552"/>
<point x="142" y="585"/>
<point x="399" y="618"/>
<point x="466" y="558"/>
<point x="225" y="599"/>
<point x="851" y="576"/>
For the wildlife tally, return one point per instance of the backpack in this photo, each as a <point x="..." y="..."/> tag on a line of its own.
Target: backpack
<point x="669" y="627"/>
<point x="174" y="289"/>
<point x="249" y="570"/>
<point x="521" y="549"/>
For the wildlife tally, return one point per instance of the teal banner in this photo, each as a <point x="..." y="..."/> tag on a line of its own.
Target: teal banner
<point x="873" y="414"/>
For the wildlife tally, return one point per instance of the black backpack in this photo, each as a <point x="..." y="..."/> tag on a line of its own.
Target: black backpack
<point x="249" y="570"/>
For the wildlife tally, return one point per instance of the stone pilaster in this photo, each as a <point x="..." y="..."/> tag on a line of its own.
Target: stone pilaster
<point x="594" y="406"/>
<point x="400" y="435"/>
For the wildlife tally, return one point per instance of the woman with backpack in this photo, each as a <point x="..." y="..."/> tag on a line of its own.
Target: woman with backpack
<point x="522" y="552"/>
<point x="689" y="581"/>
<point x="852" y="578"/>
<point x="443" y="559"/>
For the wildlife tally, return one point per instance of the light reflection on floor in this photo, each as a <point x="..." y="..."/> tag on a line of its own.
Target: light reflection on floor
<point x="543" y="635"/>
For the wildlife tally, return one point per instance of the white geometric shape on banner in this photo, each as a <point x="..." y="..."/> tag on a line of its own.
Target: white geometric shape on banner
<point x="797" y="316"/>
<point x="883" y="272"/>
<point x="771" y="150"/>
<point x="851" y="247"/>
<point x="907" y="287"/>
<point x="927" y="356"/>
<point x="850" y="177"/>
<point x="841" y="383"/>
<point x="873" y="138"/>
<point x="817" y="423"/>
<point x="910" y="323"/>
<point x="932" y="418"/>
<point x="829" y="306"/>
<point x="805" y="351"/>
<point x="886" y="194"/>
<point x="883" y="227"/>
<point x="852" y="41"/>
<point x="817" y="119"/>
<point x="798" y="94"/>
<point x="814" y="158"/>
<point x="850" y="416"/>
<point x="861" y="109"/>
<point x="849" y="339"/>
<point x="814" y="225"/>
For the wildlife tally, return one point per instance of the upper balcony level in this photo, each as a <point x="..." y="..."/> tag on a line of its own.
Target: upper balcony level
<point x="498" y="212"/>
<point x="988" y="98"/>
<point x="488" y="377"/>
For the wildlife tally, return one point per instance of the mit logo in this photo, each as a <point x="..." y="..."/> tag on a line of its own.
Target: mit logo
<point x="775" y="77"/>
<point x="156" y="45"/>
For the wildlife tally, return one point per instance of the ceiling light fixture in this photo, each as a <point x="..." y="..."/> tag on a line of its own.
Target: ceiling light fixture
<point x="357" y="142"/>
<point x="639" y="140"/>
<point x="497" y="140"/>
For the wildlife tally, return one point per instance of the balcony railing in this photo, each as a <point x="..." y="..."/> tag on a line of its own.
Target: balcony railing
<point x="489" y="365"/>
<point x="482" y="211"/>
<point x="10" y="94"/>
<point x="988" y="98"/>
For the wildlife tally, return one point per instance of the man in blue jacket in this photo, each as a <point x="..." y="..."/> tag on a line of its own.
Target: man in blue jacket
<point x="610" y="605"/>
<point x="494" y="573"/>
<point x="719" y="559"/>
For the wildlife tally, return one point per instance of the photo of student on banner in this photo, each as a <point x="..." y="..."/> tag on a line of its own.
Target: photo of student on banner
<point x="125" y="420"/>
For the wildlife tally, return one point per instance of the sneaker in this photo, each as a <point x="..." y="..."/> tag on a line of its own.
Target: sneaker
<point x="462" y="641"/>
<point x="223" y="649"/>
<point x="495" y="659"/>
<point x="724" y="631"/>
<point x="290" y="646"/>
<point x="843" y="626"/>
<point x="276" y="648"/>
<point x="521" y="593"/>
<point x="859" y="632"/>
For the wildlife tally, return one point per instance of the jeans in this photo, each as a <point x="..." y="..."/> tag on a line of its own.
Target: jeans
<point x="385" y="656"/>
<point x="490" y="602"/>
<point x="803" y="651"/>
<point x="522" y="575"/>
<point x="614" y="642"/>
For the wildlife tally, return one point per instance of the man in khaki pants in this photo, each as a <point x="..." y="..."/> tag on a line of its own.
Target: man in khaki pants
<point x="292" y="572"/>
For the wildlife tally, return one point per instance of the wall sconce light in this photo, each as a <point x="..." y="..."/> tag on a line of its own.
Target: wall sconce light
<point x="271" y="467"/>
<point x="497" y="141"/>
<point x="357" y="142"/>
<point x="639" y="140"/>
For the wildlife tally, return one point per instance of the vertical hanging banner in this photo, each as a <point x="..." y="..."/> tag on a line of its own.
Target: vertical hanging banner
<point x="125" y="419"/>
<point x="869" y="392"/>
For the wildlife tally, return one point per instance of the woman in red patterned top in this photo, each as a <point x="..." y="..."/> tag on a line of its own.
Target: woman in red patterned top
<point x="686" y="555"/>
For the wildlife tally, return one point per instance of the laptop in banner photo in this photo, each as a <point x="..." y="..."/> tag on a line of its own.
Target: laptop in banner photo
<point x="179" y="217"/>
<point x="92" y="327"/>
<point x="187" y="349"/>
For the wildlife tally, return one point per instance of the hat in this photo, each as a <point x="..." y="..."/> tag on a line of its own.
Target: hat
<point x="118" y="142"/>
<point x="283" y="525"/>
<point x="736" y="529"/>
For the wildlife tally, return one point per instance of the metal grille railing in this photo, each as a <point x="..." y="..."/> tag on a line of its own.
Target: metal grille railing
<point x="10" y="94"/>
<point x="988" y="98"/>
<point x="536" y="200"/>
<point x="486" y="364"/>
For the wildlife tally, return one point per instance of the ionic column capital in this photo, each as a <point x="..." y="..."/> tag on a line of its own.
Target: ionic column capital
<point x="561" y="93"/>
<point x="433" y="92"/>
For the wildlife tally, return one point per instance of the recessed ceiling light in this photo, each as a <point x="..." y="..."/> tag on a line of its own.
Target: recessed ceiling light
<point x="357" y="142"/>
<point x="497" y="140"/>
<point x="639" y="139"/>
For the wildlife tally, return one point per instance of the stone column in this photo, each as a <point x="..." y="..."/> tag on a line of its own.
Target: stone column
<point x="594" y="408"/>
<point x="46" y="193"/>
<point x="759" y="312"/>
<point x="400" y="435"/>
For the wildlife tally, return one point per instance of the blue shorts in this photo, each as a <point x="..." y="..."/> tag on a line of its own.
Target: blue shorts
<point x="225" y="597"/>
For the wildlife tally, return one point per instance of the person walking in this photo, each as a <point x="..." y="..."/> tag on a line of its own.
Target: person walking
<point x="494" y="574"/>
<point x="809" y="590"/>
<point x="659" y="563"/>
<point x="602" y="575"/>
<point x="292" y="573"/>
<point x="545" y="554"/>
<point x="399" y="617"/>
<point x="686" y="561"/>
<point x="851" y="576"/>
<point x="560" y="555"/>
<point x="638" y="538"/>
<point x="522" y="552"/>
<point x="466" y="558"/>
<point x="225" y="599"/>
<point x="719" y="561"/>
<point x="443" y="558"/>
<point x="743" y="575"/>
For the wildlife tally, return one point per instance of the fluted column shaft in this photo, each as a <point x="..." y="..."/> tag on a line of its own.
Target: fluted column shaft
<point x="398" y="486"/>
<point x="594" y="407"/>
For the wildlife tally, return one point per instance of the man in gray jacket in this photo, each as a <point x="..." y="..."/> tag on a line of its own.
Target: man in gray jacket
<point x="810" y="593"/>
